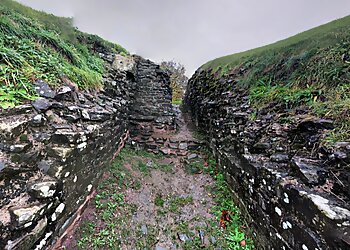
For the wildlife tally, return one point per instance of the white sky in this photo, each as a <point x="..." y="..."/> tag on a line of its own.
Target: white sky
<point x="194" y="31"/>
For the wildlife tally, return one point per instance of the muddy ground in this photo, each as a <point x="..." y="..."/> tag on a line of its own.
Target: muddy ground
<point x="148" y="201"/>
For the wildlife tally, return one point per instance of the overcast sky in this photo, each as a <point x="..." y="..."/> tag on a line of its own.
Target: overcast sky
<point x="194" y="31"/>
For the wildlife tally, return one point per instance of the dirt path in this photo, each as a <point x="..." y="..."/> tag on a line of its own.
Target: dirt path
<point x="149" y="201"/>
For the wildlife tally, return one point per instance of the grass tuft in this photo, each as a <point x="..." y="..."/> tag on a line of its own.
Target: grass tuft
<point x="35" y="45"/>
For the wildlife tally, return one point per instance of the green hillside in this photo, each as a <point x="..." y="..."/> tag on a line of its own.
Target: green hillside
<point x="309" y="71"/>
<point x="35" y="45"/>
<point x="320" y="37"/>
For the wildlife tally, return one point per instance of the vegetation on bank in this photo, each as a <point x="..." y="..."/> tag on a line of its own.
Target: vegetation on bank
<point x="310" y="70"/>
<point x="178" y="79"/>
<point x="35" y="45"/>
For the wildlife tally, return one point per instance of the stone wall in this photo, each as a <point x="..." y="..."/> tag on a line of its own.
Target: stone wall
<point x="53" y="150"/>
<point x="152" y="95"/>
<point x="293" y="192"/>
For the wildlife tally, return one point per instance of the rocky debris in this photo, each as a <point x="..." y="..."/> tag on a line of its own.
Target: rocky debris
<point x="294" y="189"/>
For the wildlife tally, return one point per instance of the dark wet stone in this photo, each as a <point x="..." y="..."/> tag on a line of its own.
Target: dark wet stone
<point x="280" y="158"/>
<point x="44" y="166"/>
<point x="193" y="146"/>
<point x="43" y="89"/>
<point x="2" y="165"/>
<point x="308" y="169"/>
<point x="71" y="117"/>
<point x="315" y="124"/>
<point x="42" y="137"/>
<point x="57" y="105"/>
<point x="340" y="155"/>
<point x="262" y="145"/>
<point x="41" y="104"/>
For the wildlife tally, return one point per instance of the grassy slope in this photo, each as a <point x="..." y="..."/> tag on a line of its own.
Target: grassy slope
<point x="35" y="45"/>
<point x="310" y="70"/>
<point x="322" y="36"/>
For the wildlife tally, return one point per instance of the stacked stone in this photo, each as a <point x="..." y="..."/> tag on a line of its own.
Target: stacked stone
<point x="53" y="150"/>
<point x="152" y="111"/>
<point x="293" y="192"/>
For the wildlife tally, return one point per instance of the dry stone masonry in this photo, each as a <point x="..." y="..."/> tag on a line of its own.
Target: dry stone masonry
<point x="293" y="192"/>
<point x="53" y="150"/>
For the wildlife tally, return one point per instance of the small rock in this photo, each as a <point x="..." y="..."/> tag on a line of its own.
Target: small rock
<point x="64" y="90"/>
<point x="41" y="104"/>
<point x="340" y="155"/>
<point x="201" y="235"/>
<point x="213" y="240"/>
<point x="21" y="216"/>
<point x="38" y="120"/>
<point x="193" y="146"/>
<point x="280" y="158"/>
<point x="43" y="89"/>
<point x="18" y="148"/>
<point x="192" y="156"/>
<point x="160" y="248"/>
<point x="144" y="230"/>
<point x="165" y="151"/>
<point x="182" y="153"/>
<point x="44" y="166"/>
<point x="2" y="165"/>
<point x="173" y="145"/>
<point x="42" y="190"/>
<point x="183" y="237"/>
<point x="309" y="170"/>
<point x="183" y="146"/>
<point x="262" y="145"/>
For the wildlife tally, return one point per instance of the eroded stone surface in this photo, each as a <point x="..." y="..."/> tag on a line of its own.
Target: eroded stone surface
<point x="294" y="191"/>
